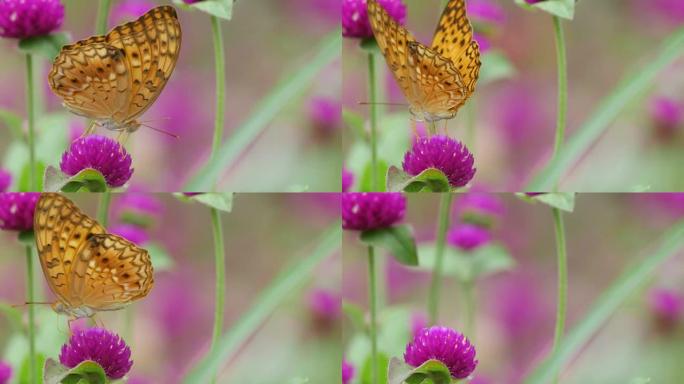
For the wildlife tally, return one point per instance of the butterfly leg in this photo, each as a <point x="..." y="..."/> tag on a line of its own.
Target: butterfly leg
<point x="90" y="130"/>
<point x="122" y="138"/>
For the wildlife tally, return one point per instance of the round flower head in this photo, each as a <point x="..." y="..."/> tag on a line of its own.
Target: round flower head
<point x="26" y="18"/>
<point x="667" y="306"/>
<point x="372" y="210"/>
<point x="325" y="113"/>
<point x="5" y="372"/>
<point x="444" y="153"/>
<point x="100" y="153"/>
<point x="468" y="236"/>
<point x="141" y="209"/>
<point x="481" y="208"/>
<point x="16" y="210"/>
<point x="129" y="10"/>
<point x="347" y="180"/>
<point x="666" y="114"/>
<point x="133" y="233"/>
<point x="443" y="344"/>
<point x="101" y="346"/>
<point x="485" y="11"/>
<point x="347" y="372"/>
<point x="355" y="16"/>
<point x="5" y="180"/>
<point x="325" y="305"/>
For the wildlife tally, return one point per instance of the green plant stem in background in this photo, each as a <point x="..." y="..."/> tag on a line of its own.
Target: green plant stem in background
<point x="219" y="64"/>
<point x="470" y="307"/>
<point x="436" y="283"/>
<point x="103" y="209"/>
<point x="622" y="289"/>
<point x="31" y="112"/>
<point x="633" y="85"/>
<point x="372" y="303"/>
<point x="562" y="261"/>
<point x="268" y="300"/>
<point x="372" y="95"/>
<point x="220" y="267"/>
<point x="562" y="70"/>
<point x="102" y="16"/>
<point x="471" y="113"/>
<point x="30" y="299"/>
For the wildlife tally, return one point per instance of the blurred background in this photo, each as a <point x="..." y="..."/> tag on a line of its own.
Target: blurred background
<point x="266" y="42"/>
<point x="509" y="124"/>
<point x="170" y="329"/>
<point x="515" y="305"/>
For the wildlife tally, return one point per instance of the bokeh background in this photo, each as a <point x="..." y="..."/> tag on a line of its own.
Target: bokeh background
<point x="170" y="329"/>
<point x="512" y="113"/>
<point x="515" y="308"/>
<point x="265" y="42"/>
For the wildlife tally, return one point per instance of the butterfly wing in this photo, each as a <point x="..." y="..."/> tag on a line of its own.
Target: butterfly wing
<point x="151" y="45"/>
<point x="111" y="272"/>
<point x="61" y="231"/>
<point x="92" y="78"/>
<point x="453" y="39"/>
<point x="393" y="40"/>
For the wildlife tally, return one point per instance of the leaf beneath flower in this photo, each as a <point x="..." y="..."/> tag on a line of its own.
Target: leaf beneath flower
<point x="219" y="8"/>
<point x="47" y="46"/>
<point x="89" y="179"/>
<point x="430" y="180"/>
<point x="565" y="201"/>
<point x="398" y="240"/>
<point x="495" y="66"/>
<point x="560" y="8"/>
<point x="87" y="372"/>
<point x="467" y="266"/>
<point x="432" y="371"/>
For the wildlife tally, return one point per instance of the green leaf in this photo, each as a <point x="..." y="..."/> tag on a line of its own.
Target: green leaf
<point x="355" y="122"/>
<point x="398" y="240"/>
<point x="267" y="301"/>
<point x="632" y="86"/>
<point x="161" y="260"/>
<point x="565" y="201"/>
<point x="47" y="46"/>
<point x="265" y="111"/>
<point x="25" y="368"/>
<point x="25" y="177"/>
<point x="382" y="363"/>
<point x="431" y="179"/>
<point x="671" y="243"/>
<point x="432" y="371"/>
<point x="495" y="66"/>
<point x="366" y="177"/>
<point x="221" y="201"/>
<point x="13" y="122"/>
<point x="369" y="45"/>
<point x="27" y="238"/>
<point x="88" y="179"/>
<point x="88" y="372"/>
<point x="468" y="266"/>
<point x="355" y="315"/>
<point x="219" y="8"/>
<point x="560" y="8"/>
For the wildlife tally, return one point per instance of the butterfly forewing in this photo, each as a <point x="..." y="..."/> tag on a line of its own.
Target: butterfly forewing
<point x="84" y="265"/>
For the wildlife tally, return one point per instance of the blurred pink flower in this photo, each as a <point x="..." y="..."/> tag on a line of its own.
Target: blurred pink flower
<point x="347" y="372"/>
<point x="667" y="115"/>
<point x="5" y="180"/>
<point x="468" y="237"/>
<point x="5" y="372"/>
<point x="355" y="22"/>
<point x="667" y="306"/>
<point x="132" y="233"/>
<point x="479" y="207"/>
<point x="485" y="11"/>
<point x="139" y="208"/>
<point x="325" y="305"/>
<point x="347" y="180"/>
<point x="129" y="10"/>
<point x="325" y="114"/>
<point x="483" y="42"/>
<point x="671" y="11"/>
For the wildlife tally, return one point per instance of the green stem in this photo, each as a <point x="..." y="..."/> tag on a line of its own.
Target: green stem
<point x="469" y="302"/>
<point x="471" y="112"/>
<point x="103" y="209"/>
<point x="219" y="64"/>
<point x="372" y="95"/>
<point x="372" y="298"/>
<point x="220" y="269"/>
<point x="33" y="364"/>
<point x="435" y="285"/>
<point x="561" y="254"/>
<point x="31" y="111"/>
<point x="102" y="15"/>
<point x="561" y="62"/>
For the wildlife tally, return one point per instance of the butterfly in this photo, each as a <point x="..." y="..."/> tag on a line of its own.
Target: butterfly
<point x="115" y="78"/>
<point x="436" y="80"/>
<point x="88" y="269"/>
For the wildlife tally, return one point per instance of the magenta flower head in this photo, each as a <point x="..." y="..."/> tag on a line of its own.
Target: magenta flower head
<point x="347" y="180"/>
<point x="325" y="305"/>
<point x="480" y="208"/>
<point x="5" y="180"/>
<point x="27" y="18"/>
<point x="485" y="11"/>
<point x="133" y="233"/>
<point x="5" y="372"/>
<point x="445" y="345"/>
<point x="141" y="209"/>
<point x="129" y="10"/>
<point x="667" y="306"/>
<point x="362" y="211"/>
<point x="468" y="237"/>
<point x="355" y="16"/>
<point x="666" y="114"/>
<point x="325" y="113"/>
<point x="101" y="346"/>
<point x="444" y="153"/>
<point x="16" y="210"/>
<point x="100" y="153"/>
<point x="347" y="372"/>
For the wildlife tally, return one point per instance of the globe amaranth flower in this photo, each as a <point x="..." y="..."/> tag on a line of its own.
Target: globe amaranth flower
<point x="129" y="10"/>
<point x="325" y="305"/>
<point x="362" y="211"/>
<point x="468" y="236"/>
<point x="5" y="372"/>
<point x="100" y="153"/>
<point x="355" y="16"/>
<point x="347" y="180"/>
<point x="485" y="11"/>
<point x="101" y="346"/>
<point x="132" y="233"/>
<point x="16" y="210"/>
<point x="667" y="306"/>
<point x="347" y="372"/>
<point x="139" y="208"/>
<point x="446" y="345"/>
<point x="27" y="18"/>
<point x="667" y="115"/>
<point x="325" y="114"/>
<point x="444" y="153"/>
<point x="481" y="208"/>
<point x="5" y="180"/>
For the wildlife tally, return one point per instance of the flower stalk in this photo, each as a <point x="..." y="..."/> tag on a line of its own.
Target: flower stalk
<point x="31" y="112"/>
<point x="30" y="299"/>
<point x="373" y="329"/>
<point x="436" y="283"/>
<point x="561" y="62"/>
<point x="372" y="95"/>
<point x="220" y="269"/>
<point x="561" y="254"/>
<point x="219" y="64"/>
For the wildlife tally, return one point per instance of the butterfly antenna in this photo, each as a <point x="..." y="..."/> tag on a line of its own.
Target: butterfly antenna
<point x="161" y="131"/>
<point x="31" y="303"/>
<point x="378" y="103"/>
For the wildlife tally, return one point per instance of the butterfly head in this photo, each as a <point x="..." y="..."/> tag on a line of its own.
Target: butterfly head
<point x="128" y="126"/>
<point x="419" y="114"/>
<point x="75" y="312"/>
